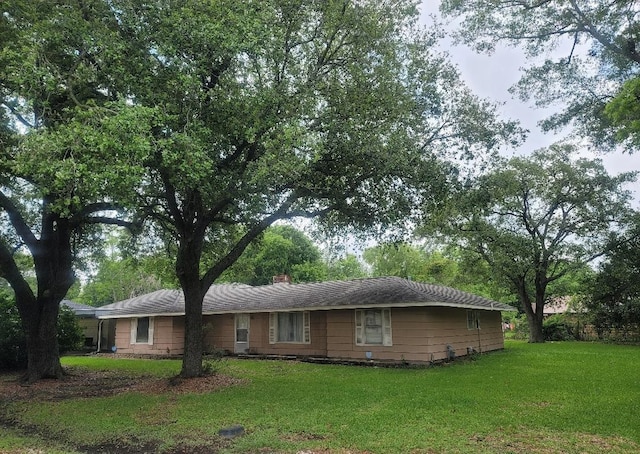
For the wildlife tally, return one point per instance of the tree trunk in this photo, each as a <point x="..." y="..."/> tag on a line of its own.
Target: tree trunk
<point x="536" y="335"/>
<point x="192" y="357"/>
<point x="188" y="272"/>
<point x="534" y="317"/>
<point x="42" y="342"/>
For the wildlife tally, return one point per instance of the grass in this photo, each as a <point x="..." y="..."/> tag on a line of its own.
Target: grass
<point x="554" y="397"/>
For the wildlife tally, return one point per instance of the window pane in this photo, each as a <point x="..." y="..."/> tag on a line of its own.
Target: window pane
<point x="290" y="327"/>
<point x="142" y="330"/>
<point x="373" y="327"/>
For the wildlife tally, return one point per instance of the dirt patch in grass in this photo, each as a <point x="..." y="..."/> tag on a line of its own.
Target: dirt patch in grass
<point x="81" y="383"/>
<point x="550" y="442"/>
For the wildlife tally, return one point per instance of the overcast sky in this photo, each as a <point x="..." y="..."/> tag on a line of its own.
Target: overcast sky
<point x="490" y="76"/>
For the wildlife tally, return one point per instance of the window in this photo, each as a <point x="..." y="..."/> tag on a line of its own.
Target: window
<point x="373" y="327"/>
<point x="142" y="330"/>
<point x="473" y="320"/>
<point x="292" y="327"/>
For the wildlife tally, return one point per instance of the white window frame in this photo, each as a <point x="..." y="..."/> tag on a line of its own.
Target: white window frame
<point x="387" y="338"/>
<point x="134" y="331"/>
<point x="306" y="328"/>
<point x="473" y="320"/>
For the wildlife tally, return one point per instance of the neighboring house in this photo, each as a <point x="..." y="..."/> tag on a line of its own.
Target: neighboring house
<point x="87" y="320"/>
<point x="384" y="318"/>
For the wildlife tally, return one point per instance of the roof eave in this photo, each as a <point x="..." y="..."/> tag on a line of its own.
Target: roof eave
<point x="360" y="306"/>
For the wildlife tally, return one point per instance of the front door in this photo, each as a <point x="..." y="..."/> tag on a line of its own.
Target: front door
<point x="242" y="333"/>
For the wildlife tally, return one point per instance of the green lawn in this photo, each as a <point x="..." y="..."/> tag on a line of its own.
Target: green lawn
<point x="554" y="397"/>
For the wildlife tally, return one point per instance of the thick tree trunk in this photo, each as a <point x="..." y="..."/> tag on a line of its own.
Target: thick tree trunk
<point x="43" y="355"/>
<point x="535" y="329"/>
<point x="534" y="316"/>
<point x="192" y="357"/>
<point x="188" y="272"/>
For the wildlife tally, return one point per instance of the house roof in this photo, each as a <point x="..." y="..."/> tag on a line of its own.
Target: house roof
<point x="352" y="294"/>
<point x="81" y="310"/>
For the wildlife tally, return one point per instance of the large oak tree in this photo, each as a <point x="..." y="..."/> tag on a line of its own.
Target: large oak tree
<point x="58" y="175"/>
<point x="534" y="220"/>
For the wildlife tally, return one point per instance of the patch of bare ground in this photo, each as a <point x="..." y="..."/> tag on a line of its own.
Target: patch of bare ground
<point x="80" y="383"/>
<point x="552" y="443"/>
<point x="84" y="383"/>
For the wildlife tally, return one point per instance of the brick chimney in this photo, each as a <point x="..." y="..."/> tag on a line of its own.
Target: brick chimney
<point x="282" y="279"/>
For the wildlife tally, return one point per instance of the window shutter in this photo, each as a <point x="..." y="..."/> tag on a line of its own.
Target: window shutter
<point x="134" y="329"/>
<point x="273" y="322"/>
<point x="386" y="327"/>
<point x="150" y="338"/>
<point x="306" y="333"/>
<point x="359" y="327"/>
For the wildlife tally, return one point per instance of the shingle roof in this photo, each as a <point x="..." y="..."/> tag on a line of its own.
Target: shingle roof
<point x="358" y="293"/>
<point x="81" y="310"/>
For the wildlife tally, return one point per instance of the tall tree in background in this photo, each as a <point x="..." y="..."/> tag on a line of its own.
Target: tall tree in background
<point x="344" y="268"/>
<point x="533" y="220"/>
<point x="591" y="56"/>
<point x="281" y="249"/>
<point x="58" y="176"/>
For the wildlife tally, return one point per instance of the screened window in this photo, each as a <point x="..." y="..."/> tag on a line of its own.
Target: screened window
<point x="142" y="330"/>
<point x="373" y="327"/>
<point x="473" y="320"/>
<point x="291" y="327"/>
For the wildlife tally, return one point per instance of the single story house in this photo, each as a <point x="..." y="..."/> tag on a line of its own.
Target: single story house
<point x="386" y="318"/>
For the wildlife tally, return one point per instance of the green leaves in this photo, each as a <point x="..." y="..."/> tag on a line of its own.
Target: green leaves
<point x="588" y="51"/>
<point x="534" y="220"/>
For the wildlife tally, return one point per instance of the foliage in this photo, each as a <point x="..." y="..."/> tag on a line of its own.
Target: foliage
<point x="67" y="153"/>
<point x="70" y="335"/>
<point x="556" y="328"/>
<point x="296" y="407"/>
<point x="13" y="347"/>
<point x="344" y="268"/>
<point x="588" y="55"/>
<point x="117" y="280"/>
<point x="13" y="344"/>
<point x="613" y="296"/>
<point x="281" y="249"/>
<point x="535" y="220"/>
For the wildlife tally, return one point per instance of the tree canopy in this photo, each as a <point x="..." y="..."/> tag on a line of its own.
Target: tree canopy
<point x="588" y="62"/>
<point x="535" y="219"/>
<point x="281" y="249"/>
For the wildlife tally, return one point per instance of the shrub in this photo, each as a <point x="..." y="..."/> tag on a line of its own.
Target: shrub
<point x="557" y="328"/>
<point x="13" y="346"/>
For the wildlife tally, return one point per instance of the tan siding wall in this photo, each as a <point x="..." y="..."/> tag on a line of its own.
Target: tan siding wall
<point x="219" y="332"/>
<point x="419" y="334"/>
<point x="168" y="337"/>
<point x="259" y="337"/>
